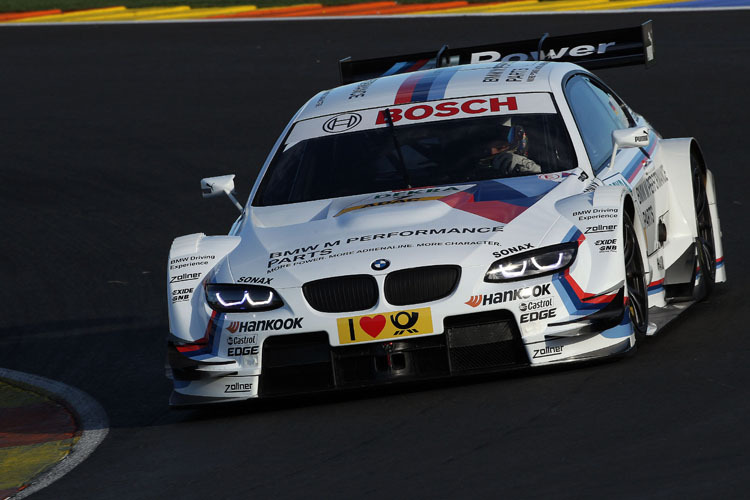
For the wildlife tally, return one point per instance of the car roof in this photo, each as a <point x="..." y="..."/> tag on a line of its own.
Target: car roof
<point x="450" y="82"/>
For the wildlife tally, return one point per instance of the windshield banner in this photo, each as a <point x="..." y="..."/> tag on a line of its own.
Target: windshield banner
<point x="431" y="111"/>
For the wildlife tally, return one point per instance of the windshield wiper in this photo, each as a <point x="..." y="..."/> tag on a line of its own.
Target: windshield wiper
<point x="402" y="165"/>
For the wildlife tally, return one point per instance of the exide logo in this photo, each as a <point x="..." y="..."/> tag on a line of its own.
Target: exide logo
<point x="448" y="108"/>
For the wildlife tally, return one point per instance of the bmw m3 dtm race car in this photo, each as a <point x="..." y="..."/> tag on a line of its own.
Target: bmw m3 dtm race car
<point x="473" y="210"/>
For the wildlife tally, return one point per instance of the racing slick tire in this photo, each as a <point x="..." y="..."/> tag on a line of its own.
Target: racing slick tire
<point x="635" y="280"/>
<point x="704" y="242"/>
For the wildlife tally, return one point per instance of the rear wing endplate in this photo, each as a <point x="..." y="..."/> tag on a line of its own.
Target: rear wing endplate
<point x="595" y="50"/>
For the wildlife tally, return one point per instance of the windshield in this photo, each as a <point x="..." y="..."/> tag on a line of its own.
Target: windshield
<point x="404" y="147"/>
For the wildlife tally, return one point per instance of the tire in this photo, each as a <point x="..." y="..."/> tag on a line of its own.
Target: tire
<point x="635" y="280"/>
<point x="704" y="242"/>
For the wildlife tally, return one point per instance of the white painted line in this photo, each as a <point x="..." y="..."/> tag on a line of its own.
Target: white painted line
<point x="386" y="16"/>
<point x="92" y="420"/>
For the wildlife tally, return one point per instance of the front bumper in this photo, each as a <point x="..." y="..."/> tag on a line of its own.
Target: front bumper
<point x="473" y="343"/>
<point x="482" y="342"/>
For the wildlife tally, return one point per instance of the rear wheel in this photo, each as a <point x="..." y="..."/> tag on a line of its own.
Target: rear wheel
<point x="704" y="241"/>
<point x="635" y="280"/>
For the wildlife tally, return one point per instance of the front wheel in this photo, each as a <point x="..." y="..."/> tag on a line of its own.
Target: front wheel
<point x="704" y="241"/>
<point x="635" y="280"/>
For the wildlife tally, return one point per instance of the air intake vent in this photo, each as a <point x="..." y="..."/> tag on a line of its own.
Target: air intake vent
<point x="421" y="284"/>
<point x="484" y="341"/>
<point x="342" y="294"/>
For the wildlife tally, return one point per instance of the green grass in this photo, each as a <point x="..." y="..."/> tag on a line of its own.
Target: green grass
<point x="29" y="5"/>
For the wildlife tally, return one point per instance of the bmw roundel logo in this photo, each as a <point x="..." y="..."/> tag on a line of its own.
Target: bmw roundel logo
<point x="380" y="264"/>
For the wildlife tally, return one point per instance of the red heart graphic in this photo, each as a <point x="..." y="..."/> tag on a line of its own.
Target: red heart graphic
<point x="372" y="326"/>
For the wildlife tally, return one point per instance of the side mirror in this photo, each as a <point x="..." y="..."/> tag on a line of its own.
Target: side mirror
<point x="635" y="137"/>
<point x="216" y="186"/>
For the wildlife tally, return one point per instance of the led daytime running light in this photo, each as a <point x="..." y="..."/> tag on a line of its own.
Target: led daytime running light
<point x="245" y="298"/>
<point x="512" y="274"/>
<point x="532" y="264"/>
<point x="231" y="297"/>
<point x="548" y="268"/>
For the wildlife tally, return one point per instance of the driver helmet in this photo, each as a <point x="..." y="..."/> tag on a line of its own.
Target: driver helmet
<point x="512" y="139"/>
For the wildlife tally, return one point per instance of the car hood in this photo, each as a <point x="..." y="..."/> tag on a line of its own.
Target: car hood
<point x="468" y="224"/>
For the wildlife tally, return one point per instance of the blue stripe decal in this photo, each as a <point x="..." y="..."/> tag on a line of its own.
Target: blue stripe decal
<point x="530" y="185"/>
<point x="216" y="333"/>
<point x="437" y="91"/>
<point x="656" y="289"/>
<point x="565" y="297"/>
<point x="423" y="88"/>
<point x="214" y="326"/>
<point x="507" y="192"/>
<point x="624" y="329"/>
<point x="577" y="306"/>
<point x="396" y="68"/>
<point x="572" y="235"/>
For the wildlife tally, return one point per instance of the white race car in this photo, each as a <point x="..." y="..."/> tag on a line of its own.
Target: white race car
<point x="484" y="209"/>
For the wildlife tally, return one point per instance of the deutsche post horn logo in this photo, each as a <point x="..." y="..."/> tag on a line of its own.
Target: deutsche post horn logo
<point x="406" y="326"/>
<point x="342" y="123"/>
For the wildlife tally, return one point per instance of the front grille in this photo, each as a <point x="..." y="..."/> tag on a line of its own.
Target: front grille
<point x="342" y="293"/>
<point x="421" y="284"/>
<point x="484" y="341"/>
<point x="388" y="361"/>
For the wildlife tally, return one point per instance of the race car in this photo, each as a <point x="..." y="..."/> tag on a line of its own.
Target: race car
<point x="442" y="214"/>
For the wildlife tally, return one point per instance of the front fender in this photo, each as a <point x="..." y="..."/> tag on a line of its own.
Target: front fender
<point x="599" y="216"/>
<point x="191" y="258"/>
<point x="681" y="222"/>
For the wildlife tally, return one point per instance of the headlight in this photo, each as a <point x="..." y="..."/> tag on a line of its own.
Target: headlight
<point x="547" y="260"/>
<point x="242" y="298"/>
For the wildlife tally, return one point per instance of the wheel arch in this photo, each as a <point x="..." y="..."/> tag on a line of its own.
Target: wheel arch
<point x="610" y="197"/>
<point x="628" y="207"/>
<point x="695" y="149"/>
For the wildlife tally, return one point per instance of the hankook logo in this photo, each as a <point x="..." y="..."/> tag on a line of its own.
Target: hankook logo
<point x="342" y="123"/>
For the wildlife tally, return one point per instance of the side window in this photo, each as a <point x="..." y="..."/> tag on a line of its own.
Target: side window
<point x="597" y="114"/>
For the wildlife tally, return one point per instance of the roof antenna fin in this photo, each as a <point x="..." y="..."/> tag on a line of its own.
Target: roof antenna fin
<point x="442" y="57"/>
<point x="342" y="76"/>
<point x="540" y="54"/>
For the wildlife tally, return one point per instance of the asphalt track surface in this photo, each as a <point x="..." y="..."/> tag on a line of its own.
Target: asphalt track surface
<point x="104" y="134"/>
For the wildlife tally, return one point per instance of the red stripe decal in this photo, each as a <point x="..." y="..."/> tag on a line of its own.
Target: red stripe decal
<point x="417" y="65"/>
<point x="498" y="211"/>
<point x="587" y="297"/>
<point x="403" y="96"/>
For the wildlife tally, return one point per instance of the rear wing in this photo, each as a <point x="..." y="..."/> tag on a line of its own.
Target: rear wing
<point x="595" y="50"/>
